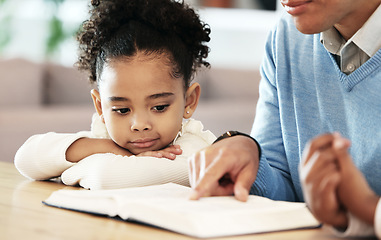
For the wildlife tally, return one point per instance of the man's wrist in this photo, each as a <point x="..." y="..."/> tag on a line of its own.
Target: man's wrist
<point x="370" y="208"/>
<point x="229" y="134"/>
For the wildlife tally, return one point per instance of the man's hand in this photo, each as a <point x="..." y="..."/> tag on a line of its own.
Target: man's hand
<point x="227" y="167"/>
<point x="354" y="191"/>
<point x="320" y="179"/>
<point x="168" y="152"/>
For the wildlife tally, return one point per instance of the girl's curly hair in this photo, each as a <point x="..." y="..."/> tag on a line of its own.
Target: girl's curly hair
<point x="121" y="28"/>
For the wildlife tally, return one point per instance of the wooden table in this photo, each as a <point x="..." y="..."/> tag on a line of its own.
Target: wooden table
<point x="23" y="216"/>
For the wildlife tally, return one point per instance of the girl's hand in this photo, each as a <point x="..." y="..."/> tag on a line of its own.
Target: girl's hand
<point x="169" y="152"/>
<point x="354" y="191"/>
<point x="320" y="179"/>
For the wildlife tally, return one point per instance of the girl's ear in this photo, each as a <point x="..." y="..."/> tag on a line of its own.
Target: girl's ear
<point x="191" y="100"/>
<point x="97" y="103"/>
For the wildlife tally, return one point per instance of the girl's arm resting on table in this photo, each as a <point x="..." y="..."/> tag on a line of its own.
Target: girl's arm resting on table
<point x="85" y="147"/>
<point x="110" y="171"/>
<point x="43" y="156"/>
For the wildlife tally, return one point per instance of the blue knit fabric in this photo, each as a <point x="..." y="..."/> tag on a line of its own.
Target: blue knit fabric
<point x="303" y="94"/>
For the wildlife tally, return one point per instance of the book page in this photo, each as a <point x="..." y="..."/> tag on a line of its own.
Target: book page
<point x="222" y="216"/>
<point x="168" y="206"/>
<point x="110" y="202"/>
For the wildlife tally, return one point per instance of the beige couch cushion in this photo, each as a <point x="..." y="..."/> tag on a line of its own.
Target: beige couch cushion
<point x="21" y="83"/>
<point x="229" y="84"/>
<point x="66" y="86"/>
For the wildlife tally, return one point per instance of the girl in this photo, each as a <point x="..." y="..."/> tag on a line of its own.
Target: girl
<point x="142" y="55"/>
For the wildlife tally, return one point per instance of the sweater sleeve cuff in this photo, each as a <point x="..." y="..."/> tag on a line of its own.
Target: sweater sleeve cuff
<point x="260" y="187"/>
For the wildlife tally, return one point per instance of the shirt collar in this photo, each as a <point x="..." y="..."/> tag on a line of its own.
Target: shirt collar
<point x="332" y="40"/>
<point x="367" y="38"/>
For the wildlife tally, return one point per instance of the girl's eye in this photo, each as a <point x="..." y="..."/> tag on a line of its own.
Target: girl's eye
<point x="122" y="110"/>
<point x="160" y="108"/>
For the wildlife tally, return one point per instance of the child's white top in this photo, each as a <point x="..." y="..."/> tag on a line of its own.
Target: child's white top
<point x="43" y="156"/>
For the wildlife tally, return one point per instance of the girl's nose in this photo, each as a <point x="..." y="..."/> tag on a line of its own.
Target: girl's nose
<point x="140" y="123"/>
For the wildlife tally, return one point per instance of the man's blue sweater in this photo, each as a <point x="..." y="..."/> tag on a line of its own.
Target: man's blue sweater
<point x="303" y="94"/>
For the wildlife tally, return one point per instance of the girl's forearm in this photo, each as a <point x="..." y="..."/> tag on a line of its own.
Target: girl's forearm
<point x="85" y="147"/>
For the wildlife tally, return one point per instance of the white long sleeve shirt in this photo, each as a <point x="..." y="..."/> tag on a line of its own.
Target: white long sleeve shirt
<point x="43" y="156"/>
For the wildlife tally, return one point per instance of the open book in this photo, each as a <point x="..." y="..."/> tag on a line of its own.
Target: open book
<point x="167" y="206"/>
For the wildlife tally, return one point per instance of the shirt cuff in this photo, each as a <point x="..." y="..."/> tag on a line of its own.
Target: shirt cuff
<point x="377" y="220"/>
<point x="356" y="228"/>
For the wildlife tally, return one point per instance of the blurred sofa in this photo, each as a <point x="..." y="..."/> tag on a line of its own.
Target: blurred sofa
<point x="42" y="97"/>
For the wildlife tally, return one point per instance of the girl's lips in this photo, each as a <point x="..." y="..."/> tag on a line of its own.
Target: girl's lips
<point x="144" y="143"/>
<point x="295" y="7"/>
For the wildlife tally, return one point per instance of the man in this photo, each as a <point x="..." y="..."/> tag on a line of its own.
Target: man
<point x="321" y="73"/>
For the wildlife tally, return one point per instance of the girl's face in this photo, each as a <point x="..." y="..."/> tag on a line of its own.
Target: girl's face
<point x="314" y="16"/>
<point x="140" y="103"/>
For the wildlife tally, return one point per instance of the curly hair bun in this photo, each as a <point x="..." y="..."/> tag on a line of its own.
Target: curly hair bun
<point x="123" y="27"/>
